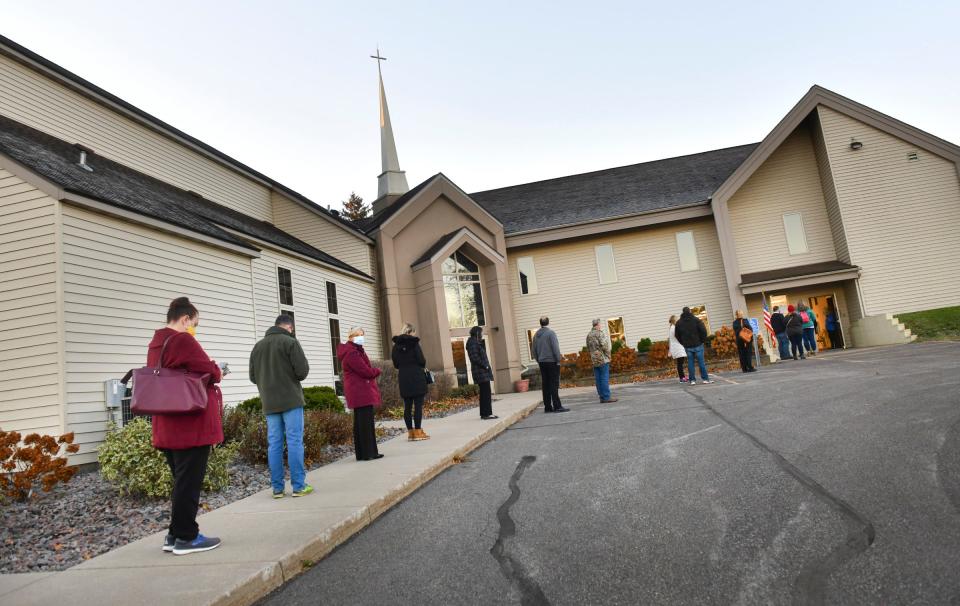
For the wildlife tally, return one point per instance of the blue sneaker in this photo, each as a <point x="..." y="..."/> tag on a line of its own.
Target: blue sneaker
<point x="168" y="542"/>
<point x="201" y="543"/>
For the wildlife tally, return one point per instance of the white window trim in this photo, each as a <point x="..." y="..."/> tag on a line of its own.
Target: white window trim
<point x="536" y="288"/>
<point x="596" y="257"/>
<point x="276" y="279"/>
<point x="803" y="234"/>
<point x="696" y="253"/>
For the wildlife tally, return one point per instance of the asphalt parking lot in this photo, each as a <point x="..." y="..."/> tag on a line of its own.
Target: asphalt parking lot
<point x="832" y="480"/>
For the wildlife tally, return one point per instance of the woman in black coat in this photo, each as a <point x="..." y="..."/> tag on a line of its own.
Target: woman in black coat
<point x="482" y="373"/>
<point x="744" y="348"/>
<point x="408" y="359"/>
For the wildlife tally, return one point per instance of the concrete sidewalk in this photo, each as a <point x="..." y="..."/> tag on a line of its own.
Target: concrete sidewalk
<point x="266" y="541"/>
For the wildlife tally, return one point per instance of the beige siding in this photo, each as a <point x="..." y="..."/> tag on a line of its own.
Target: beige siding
<point x="321" y="233"/>
<point x="29" y="330"/>
<point x="787" y="182"/>
<point x="37" y="101"/>
<point x="829" y="193"/>
<point x="118" y="280"/>
<point x="356" y="304"/>
<point x="650" y="286"/>
<point x="901" y="217"/>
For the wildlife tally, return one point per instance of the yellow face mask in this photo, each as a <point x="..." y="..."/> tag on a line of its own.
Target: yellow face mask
<point x="192" y="330"/>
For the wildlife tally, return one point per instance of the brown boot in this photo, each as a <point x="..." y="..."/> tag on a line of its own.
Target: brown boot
<point x="412" y="435"/>
<point x="421" y="435"/>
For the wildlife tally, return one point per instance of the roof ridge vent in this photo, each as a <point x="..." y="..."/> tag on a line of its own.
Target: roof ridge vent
<point x="82" y="162"/>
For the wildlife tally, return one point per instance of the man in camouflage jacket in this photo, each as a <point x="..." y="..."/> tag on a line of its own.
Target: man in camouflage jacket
<point x="598" y="346"/>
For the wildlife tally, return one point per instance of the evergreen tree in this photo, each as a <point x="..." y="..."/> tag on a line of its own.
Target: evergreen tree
<point x="354" y="209"/>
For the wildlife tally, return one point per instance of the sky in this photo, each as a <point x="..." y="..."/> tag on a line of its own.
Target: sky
<point x="493" y="93"/>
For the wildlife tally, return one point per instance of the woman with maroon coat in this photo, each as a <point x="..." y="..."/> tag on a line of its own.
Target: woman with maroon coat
<point x="186" y="439"/>
<point x="361" y="392"/>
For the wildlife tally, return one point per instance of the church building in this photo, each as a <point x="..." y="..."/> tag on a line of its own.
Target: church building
<point x="107" y="213"/>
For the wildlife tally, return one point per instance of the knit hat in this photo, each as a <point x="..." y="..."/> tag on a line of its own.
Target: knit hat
<point x="790" y="308"/>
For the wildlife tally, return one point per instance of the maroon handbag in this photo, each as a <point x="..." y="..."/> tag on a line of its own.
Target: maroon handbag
<point x="168" y="391"/>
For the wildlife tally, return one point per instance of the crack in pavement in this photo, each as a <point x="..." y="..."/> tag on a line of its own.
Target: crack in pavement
<point x="810" y="585"/>
<point x="530" y="592"/>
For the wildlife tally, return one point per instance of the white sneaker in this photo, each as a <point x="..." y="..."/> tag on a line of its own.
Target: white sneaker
<point x="692" y="383"/>
<point x="707" y="381"/>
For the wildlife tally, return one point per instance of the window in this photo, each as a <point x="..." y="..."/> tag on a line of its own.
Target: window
<point x="285" y="284"/>
<point x="606" y="266"/>
<point x="289" y="312"/>
<point x="796" y="239"/>
<point x="461" y="288"/>
<point x="700" y="311"/>
<point x="528" y="276"/>
<point x="616" y="331"/>
<point x="687" y="251"/>
<point x="331" y="298"/>
<point x="334" y="343"/>
<point x="530" y="334"/>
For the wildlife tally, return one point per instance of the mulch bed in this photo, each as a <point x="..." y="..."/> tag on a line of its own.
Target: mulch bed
<point x="86" y="517"/>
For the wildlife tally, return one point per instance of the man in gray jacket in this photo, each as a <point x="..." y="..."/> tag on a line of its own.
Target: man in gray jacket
<point x="277" y="365"/>
<point x="546" y="351"/>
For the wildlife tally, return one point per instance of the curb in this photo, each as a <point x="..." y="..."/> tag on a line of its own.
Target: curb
<point x="301" y="559"/>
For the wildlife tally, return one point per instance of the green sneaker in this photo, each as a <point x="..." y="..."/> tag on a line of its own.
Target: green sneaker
<point x="278" y="495"/>
<point x="307" y="489"/>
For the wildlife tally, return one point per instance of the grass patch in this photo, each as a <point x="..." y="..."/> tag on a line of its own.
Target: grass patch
<point x="943" y="323"/>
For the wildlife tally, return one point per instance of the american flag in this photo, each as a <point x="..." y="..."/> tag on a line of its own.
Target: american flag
<point x="766" y="322"/>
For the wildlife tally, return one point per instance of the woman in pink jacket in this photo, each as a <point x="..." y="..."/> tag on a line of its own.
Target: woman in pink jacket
<point x="362" y="394"/>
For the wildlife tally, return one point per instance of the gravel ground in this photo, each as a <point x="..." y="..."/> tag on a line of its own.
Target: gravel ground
<point x="86" y="517"/>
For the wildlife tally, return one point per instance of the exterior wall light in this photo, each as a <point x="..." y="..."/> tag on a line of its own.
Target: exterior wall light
<point x="854" y="144"/>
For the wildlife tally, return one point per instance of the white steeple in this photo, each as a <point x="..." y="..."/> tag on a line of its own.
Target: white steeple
<point x="392" y="181"/>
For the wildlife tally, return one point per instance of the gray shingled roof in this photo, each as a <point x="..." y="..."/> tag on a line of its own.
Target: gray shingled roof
<point x="614" y="192"/>
<point x="123" y="187"/>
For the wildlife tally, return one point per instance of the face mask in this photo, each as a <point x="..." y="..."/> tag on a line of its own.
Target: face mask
<point x="358" y="340"/>
<point x="192" y="330"/>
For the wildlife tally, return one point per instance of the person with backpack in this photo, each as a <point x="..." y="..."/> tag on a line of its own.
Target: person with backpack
<point x="809" y="328"/>
<point x="794" y="325"/>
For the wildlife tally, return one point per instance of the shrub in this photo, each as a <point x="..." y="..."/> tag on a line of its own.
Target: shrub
<point x="38" y="460"/>
<point x="336" y="428"/>
<point x="442" y="387"/>
<point x="321" y="397"/>
<point x="569" y="365"/>
<point x="644" y="344"/>
<point x="585" y="363"/>
<point x="724" y="344"/>
<point x="134" y="466"/>
<point x="616" y="345"/>
<point x="389" y="383"/>
<point x="465" y="391"/>
<point x="623" y="360"/>
<point x="659" y="355"/>
<point x="248" y="432"/>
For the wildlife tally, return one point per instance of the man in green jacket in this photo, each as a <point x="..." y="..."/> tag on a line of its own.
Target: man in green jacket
<point x="277" y="365"/>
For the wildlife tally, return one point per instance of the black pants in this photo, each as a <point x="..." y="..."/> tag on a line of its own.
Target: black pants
<point x="188" y="466"/>
<point x="550" y="385"/>
<point x="681" y="363"/>
<point x="836" y="340"/>
<point x="745" y="350"/>
<point x="417" y="405"/>
<point x="486" y="399"/>
<point x="364" y="434"/>
<point x="796" y="344"/>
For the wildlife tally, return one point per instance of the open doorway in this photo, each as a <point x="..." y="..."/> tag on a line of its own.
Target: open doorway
<point x="829" y="330"/>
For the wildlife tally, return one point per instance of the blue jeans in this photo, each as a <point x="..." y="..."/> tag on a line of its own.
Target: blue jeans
<point x="601" y="375"/>
<point x="783" y="345"/>
<point x="287" y="424"/>
<point x="696" y="353"/>
<point x="810" y="339"/>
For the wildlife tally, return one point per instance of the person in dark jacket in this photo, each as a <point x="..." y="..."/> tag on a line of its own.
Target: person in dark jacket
<point x="794" y="325"/>
<point x="361" y="392"/>
<point x="833" y="329"/>
<point x="482" y="373"/>
<point x="779" y="326"/>
<point x="744" y="348"/>
<point x="408" y="359"/>
<point x="186" y="439"/>
<point x="277" y="366"/>
<point x="692" y="334"/>
<point x="546" y="351"/>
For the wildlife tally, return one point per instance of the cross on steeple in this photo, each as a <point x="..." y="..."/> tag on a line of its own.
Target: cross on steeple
<point x="378" y="58"/>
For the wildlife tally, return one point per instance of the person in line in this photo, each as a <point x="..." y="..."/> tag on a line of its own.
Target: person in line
<point x="361" y="392"/>
<point x="779" y="326"/>
<point x="833" y="329"/>
<point x="744" y="348"/>
<point x="598" y="346"/>
<point x="546" y="351"/>
<point x="677" y="351"/>
<point x="277" y="366"/>
<point x="809" y="329"/>
<point x="482" y="373"/>
<point x="185" y="440"/>
<point x="692" y="334"/>
<point x="794" y="325"/>
<point x="408" y="359"/>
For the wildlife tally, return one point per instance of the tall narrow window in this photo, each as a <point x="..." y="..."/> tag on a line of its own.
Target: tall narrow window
<point x="530" y="334"/>
<point x="606" y="265"/>
<point x="616" y="330"/>
<point x="461" y="286"/>
<point x="700" y="311"/>
<point x="332" y="298"/>
<point x="687" y="251"/>
<point x="796" y="238"/>
<point x="334" y="343"/>
<point x="285" y="286"/>
<point x="528" y="276"/>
